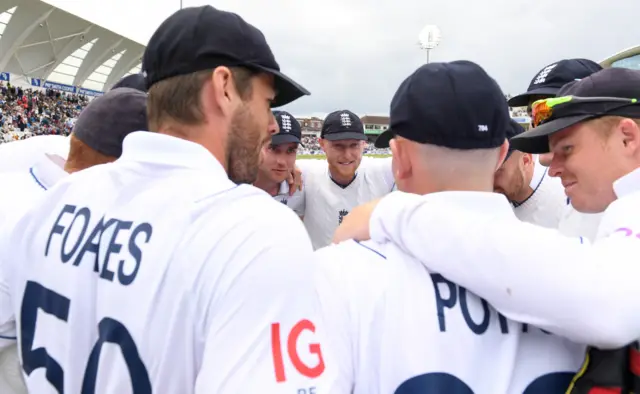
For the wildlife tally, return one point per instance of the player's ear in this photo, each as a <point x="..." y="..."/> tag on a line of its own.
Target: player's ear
<point x="323" y="143"/>
<point x="402" y="167"/>
<point x="527" y="159"/>
<point x="504" y="149"/>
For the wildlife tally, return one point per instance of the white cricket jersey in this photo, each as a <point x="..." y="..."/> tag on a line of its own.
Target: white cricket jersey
<point x="157" y="273"/>
<point x="21" y="155"/>
<point x="578" y="224"/>
<point x="19" y="191"/>
<point x="326" y="203"/>
<point x="546" y="205"/>
<point x="402" y="329"/>
<point x="584" y="291"/>
<point x="295" y="201"/>
<point x="21" y="187"/>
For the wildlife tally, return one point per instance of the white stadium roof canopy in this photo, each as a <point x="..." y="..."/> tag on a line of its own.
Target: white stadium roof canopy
<point x="39" y="40"/>
<point x="628" y="58"/>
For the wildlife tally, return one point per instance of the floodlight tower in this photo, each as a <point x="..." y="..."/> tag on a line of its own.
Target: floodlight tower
<point x="429" y="38"/>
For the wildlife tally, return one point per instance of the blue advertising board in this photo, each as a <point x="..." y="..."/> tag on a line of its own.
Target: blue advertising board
<point x="64" y="88"/>
<point x="5" y="77"/>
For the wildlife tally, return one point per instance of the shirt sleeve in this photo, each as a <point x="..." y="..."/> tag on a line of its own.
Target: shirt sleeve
<point x="585" y="292"/>
<point x="263" y="330"/>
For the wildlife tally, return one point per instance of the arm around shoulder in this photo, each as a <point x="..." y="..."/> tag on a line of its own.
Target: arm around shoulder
<point x="585" y="292"/>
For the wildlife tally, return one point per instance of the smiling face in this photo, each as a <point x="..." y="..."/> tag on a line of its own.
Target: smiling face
<point x="343" y="156"/>
<point x="278" y="161"/>
<point x="589" y="156"/>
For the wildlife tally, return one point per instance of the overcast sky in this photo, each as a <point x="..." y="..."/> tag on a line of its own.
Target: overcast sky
<point x="354" y="53"/>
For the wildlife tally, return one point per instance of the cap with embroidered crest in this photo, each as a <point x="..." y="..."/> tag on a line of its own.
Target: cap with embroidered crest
<point x="552" y="77"/>
<point x="201" y="38"/>
<point x="455" y="105"/>
<point x="610" y="92"/>
<point x="342" y="125"/>
<point x="289" y="129"/>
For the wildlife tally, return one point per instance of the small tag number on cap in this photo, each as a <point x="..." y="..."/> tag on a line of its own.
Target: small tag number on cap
<point x="483" y="128"/>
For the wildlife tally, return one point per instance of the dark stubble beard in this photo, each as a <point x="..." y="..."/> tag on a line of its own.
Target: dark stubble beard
<point x="243" y="147"/>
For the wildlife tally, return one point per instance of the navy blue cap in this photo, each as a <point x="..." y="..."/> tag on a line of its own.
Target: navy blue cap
<point x="514" y="129"/>
<point x="454" y="105"/>
<point x="201" y="38"/>
<point x="108" y="119"/>
<point x="133" y="81"/>
<point x="610" y="82"/>
<point x="289" y="129"/>
<point x="342" y="125"/>
<point x="551" y="78"/>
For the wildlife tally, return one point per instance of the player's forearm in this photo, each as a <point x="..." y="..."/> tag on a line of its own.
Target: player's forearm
<point x="532" y="275"/>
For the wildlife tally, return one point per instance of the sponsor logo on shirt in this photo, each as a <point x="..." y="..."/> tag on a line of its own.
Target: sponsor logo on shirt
<point x="286" y="348"/>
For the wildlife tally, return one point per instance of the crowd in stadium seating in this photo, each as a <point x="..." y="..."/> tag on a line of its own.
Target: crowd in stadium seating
<point x="28" y="112"/>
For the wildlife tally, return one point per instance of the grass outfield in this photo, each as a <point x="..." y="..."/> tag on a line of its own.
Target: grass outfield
<point x="318" y="157"/>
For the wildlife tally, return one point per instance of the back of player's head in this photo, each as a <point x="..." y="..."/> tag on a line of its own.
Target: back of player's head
<point x="102" y="126"/>
<point x="452" y="112"/>
<point x="133" y="81"/>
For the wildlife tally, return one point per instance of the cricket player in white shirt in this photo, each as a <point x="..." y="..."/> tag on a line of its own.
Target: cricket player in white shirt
<point x="545" y="84"/>
<point x="344" y="181"/>
<point x="586" y="292"/>
<point x="278" y="163"/>
<point x="97" y="138"/>
<point x="536" y="197"/>
<point x="163" y="271"/>
<point x="23" y="154"/>
<point x="405" y="329"/>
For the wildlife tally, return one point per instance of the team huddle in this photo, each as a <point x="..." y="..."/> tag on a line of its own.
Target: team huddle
<point x="173" y="243"/>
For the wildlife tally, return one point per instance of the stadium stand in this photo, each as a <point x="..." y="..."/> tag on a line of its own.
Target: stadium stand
<point x="26" y="112"/>
<point x="628" y="58"/>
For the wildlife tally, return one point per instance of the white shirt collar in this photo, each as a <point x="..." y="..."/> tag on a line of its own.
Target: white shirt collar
<point x="495" y="204"/>
<point x="538" y="173"/>
<point x="162" y="149"/>
<point x="48" y="171"/>
<point x="627" y="184"/>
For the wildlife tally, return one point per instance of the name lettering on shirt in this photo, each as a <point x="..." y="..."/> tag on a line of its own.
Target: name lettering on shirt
<point x="71" y="231"/>
<point x="456" y="296"/>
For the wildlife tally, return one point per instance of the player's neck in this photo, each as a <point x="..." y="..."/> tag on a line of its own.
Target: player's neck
<point x="341" y="180"/>
<point x="267" y="185"/>
<point x="524" y="194"/>
<point x="453" y="186"/>
<point x="198" y="135"/>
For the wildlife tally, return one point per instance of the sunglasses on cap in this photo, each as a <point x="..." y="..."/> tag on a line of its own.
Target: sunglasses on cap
<point x="559" y="107"/>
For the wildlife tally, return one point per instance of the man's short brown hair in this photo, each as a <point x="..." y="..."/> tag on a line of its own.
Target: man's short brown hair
<point x="178" y="98"/>
<point x="606" y="124"/>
